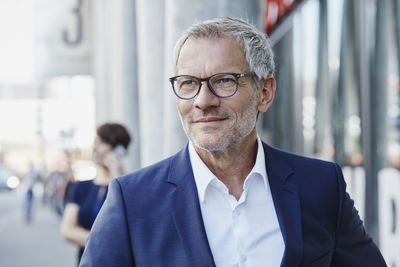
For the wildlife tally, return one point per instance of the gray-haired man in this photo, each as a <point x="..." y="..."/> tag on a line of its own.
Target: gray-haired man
<point x="227" y="198"/>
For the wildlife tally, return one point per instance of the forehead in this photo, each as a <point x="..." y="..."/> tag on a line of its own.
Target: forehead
<point x="211" y="55"/>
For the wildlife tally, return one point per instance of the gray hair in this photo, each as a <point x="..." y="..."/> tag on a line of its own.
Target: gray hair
<point x="257" y="48"/>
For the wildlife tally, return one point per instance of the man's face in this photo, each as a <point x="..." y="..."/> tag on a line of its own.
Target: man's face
<point x="210" y="122"/>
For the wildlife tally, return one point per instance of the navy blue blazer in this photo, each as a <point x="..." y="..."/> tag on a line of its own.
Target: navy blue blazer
<point x="152" y="217"/>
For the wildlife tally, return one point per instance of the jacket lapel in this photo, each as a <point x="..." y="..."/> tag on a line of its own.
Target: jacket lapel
<point x="186" y="213"/>
<point x="287" y="205"/>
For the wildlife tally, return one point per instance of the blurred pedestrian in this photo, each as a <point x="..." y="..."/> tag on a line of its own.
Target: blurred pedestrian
<point x="58" y="185"/>
<point x="87" y="197"/>
<point x="30" y="179"/>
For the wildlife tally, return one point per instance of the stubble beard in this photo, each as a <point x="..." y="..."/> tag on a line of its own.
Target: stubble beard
<point x="243" y="129"/>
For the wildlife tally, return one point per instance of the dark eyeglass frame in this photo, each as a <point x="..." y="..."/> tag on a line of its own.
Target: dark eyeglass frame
<point x="207" y="79"/>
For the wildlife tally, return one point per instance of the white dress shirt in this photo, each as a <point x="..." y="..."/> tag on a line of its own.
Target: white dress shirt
<point x="244" y="232"/>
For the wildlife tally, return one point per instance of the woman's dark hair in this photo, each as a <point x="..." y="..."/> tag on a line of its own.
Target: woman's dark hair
<point x="114" y="134"/>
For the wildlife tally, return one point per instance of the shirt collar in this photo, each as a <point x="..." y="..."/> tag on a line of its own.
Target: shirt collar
<point x="203" y="176"/>
<point x="259" y="167"/>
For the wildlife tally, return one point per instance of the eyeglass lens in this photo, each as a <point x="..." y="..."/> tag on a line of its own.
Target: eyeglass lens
<point x="222" y="84"/>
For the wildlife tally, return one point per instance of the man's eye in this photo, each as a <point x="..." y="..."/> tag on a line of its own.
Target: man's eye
<point x="225" y="80"/>
<point x="187" y="82"/>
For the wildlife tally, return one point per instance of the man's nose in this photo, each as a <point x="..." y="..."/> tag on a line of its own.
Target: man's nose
<point x="206" y="98"/>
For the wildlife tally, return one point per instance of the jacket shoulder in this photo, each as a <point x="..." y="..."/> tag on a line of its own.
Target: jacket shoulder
<point x="298" y="161"/>
<point x="152" y="179"/>
<point x="154" y="173"/>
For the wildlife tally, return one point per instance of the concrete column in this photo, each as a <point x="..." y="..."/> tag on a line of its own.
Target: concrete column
<point x="378" y="121"/>
<point x="152" y="83"/>
<point x="180" y="14"/>
<point x="396" y="22"/>
<point x="322" y="90"/>
<point x="346" y="82"/>
<point x="115" y="69"/>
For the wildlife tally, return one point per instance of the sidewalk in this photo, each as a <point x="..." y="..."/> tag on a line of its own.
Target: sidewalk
<point x="38" y="244"/>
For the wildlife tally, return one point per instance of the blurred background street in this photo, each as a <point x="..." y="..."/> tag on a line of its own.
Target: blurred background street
<point x="34" y="244"/>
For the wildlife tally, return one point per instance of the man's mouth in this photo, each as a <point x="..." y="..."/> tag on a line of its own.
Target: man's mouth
<point x="209" y="119"/>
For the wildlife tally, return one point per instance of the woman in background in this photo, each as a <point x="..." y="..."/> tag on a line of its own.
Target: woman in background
<point x="87" y="197"/>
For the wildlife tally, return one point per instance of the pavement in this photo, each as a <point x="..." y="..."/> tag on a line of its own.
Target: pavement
<point x="34" y="244"/>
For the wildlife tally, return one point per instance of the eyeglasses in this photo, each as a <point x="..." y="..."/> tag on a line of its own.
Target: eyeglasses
<point x="221" y="84"/>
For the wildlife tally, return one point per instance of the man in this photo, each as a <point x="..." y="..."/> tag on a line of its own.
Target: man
<point x="228" y="199"/>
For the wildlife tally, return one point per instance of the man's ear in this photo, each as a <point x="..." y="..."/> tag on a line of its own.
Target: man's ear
<point x="266" y="93"/>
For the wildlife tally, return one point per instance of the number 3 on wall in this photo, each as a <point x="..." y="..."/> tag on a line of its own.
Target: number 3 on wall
<point x="66" y="35"/>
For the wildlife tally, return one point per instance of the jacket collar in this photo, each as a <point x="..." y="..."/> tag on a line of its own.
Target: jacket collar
<point x="287" y="204"/>
<point x="185" y="210"/>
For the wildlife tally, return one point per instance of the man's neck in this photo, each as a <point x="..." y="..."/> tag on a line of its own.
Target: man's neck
<point x="232" y="165"/>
